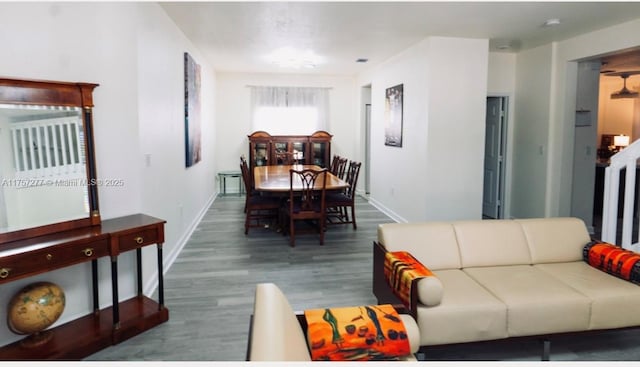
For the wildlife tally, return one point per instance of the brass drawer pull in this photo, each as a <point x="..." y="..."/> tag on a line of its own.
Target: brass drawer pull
<point x="49" y="256"/>
<point x="88" y="251"/>
<point x="4" y="272"/>
<point x="139" y="240"/>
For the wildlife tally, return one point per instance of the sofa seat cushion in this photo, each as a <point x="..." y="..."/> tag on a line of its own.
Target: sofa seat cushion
<point x="468" y="312"/>
<point x="537" y="303"/>
<point x="614" y="302"/>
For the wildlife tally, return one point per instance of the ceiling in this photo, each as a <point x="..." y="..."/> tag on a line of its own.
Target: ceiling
<point x="237" y="36"/>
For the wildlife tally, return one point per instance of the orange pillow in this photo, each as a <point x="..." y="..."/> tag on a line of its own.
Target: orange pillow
<point x="613" y="260"/>
<point x="360" y="333"/>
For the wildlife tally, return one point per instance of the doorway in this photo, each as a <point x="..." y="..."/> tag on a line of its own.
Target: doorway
<point x="585" y="143"/>
<point x="494" y="158"/>
<point x="599" y="116"/>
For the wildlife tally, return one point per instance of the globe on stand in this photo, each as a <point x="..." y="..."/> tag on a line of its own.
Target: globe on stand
<point x="33" y="309"/>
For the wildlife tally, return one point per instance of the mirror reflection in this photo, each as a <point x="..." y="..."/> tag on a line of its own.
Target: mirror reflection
<point x="43" y="175"/>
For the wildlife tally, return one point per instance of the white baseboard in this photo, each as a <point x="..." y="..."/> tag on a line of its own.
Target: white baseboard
<point x="386" y="210"/>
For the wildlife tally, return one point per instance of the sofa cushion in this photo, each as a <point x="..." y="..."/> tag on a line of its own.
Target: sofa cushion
<point x="614" y="302"/>
<point x="468" y="312"/>
<point x="537" y="303"/>
<point x="491" y="243"/>
<point x="555" y="239"/>
<point x="273" y="317"/>
<point x="613" y="260"/>
<point x="433" y="244"/>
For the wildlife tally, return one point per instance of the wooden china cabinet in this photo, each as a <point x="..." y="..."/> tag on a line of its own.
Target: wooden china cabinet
<point x="48" y="152"/>
<point x="266" y="149"/>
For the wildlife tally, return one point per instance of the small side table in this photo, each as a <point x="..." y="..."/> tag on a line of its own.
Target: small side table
<point x="222" y="176"/>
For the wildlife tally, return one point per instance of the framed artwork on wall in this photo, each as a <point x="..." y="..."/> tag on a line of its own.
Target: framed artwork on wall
<point x="192" y="124"/>
<point x="393" y="116"/>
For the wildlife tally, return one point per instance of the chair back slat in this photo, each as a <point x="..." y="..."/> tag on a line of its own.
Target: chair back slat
<point x="352" y="178"/>
<point x="342" y="167"/>
<point x="307" y="196"/>
<point x="334" y="164"/>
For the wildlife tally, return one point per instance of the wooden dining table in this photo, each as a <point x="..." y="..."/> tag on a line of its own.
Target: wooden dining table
<point x="276" y="178"/>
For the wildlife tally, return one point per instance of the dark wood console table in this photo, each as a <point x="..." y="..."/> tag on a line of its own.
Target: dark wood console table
<point x="122" y="320"/>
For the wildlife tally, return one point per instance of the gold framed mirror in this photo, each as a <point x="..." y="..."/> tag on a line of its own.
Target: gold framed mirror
<point x="48" y="177"/>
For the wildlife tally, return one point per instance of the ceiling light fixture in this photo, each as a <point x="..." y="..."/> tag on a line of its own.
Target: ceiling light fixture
<point x="362" y="60"/>
<point x="551" y="22"/>
<point x="624" y="92"/>
<point x="288" y="57"/>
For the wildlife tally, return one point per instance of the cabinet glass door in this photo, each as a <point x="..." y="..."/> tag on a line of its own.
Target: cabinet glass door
<point x="299" y="152"/>
<point x="260" y="154"/>
<point x="319" y="154"/>
<point x="281" y="153"/>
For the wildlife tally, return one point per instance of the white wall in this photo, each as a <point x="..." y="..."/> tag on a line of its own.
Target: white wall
<point x="445" y="89"/>
<point x="172" y="192"/>
<point x="233" y="113"/>
<point x="501" y="75"/>
<point x="457" y="112"/>
<point x="395" y="171"/>
<point x="135" y="53"/>
<point x="531" y="129"/>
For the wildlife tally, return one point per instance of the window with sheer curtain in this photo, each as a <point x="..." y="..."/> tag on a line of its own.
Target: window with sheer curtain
<point x="289" y="110"/>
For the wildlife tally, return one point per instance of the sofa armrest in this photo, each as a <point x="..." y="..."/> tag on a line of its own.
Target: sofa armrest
<point x="381" y="289"/>
<point x="426" y="290"/>
<point x="275" y="333"/>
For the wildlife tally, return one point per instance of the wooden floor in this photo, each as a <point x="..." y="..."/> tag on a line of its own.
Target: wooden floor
<point x="209" y="293"/>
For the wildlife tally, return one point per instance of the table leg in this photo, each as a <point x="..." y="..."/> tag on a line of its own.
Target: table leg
<point x="94" y="280"/>
<point x="139" y="270"/>
<point x="160" y="278"/>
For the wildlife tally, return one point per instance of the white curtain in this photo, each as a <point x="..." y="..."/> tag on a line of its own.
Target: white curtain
<point x="289" y="110"/>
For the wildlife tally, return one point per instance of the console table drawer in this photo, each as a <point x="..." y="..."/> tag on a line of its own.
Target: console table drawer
<point x="50" y="258"/>
<point x="143" y="237"/>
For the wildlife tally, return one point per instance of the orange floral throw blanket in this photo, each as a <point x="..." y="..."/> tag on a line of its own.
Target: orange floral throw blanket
<point x="360" y="333"/>
<point x="400" y="269"/>
<point x="613" y="260"/>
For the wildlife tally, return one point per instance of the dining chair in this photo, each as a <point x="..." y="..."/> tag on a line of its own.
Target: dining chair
<point x="342" y="167"/>
<point x="244" y="166"/>
<point x="338" y="203"/>
<point x="334" y="164"/>
<point x="306" y="202"/>
<point x="258" y="208"/>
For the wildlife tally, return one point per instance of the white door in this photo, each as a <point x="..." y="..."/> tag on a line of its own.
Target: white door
<point x="493" y="158"/>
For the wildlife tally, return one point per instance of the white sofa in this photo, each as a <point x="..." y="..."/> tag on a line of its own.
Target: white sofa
<point x="506" y="278"/>
<point x="276" y="332"/>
